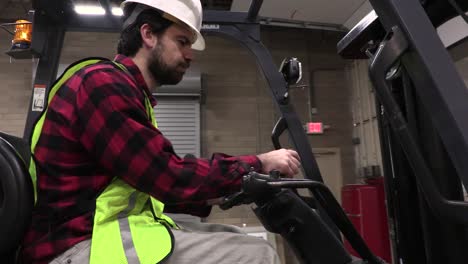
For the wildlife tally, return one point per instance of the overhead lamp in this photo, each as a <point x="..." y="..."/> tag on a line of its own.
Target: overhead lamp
<point x="89" y="10"/>
<point x="117" y="11"/>
<point x="96" y="10"/>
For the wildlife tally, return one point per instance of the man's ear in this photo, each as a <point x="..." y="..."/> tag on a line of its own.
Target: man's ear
<point x="149" y="39"/>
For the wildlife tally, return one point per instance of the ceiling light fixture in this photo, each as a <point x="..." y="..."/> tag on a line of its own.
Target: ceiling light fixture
<point x="89" y="10"/>
<point x="117" y="11"/>
<point x="96" y="10"/>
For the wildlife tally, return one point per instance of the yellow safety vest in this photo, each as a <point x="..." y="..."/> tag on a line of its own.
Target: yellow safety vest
<point x="120" y="207"/>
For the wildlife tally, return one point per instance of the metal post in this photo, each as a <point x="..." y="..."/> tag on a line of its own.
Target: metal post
<point x="47" y="40"/>
<point x="254" y="9"/>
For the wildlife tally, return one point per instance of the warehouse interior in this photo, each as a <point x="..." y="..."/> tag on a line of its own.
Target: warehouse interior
<point x="224" y="103"/>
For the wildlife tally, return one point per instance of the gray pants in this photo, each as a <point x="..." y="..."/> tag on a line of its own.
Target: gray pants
<point x="198" y="242"/>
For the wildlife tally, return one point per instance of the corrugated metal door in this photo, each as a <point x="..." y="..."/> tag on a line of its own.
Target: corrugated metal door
<point x="365" y="132"/>
<point x="179" y="120"/>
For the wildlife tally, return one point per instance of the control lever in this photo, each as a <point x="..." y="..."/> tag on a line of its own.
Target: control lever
<point x="254" y="188"/>
<point x="278" y="129"/>
<point x="235" y="199"/>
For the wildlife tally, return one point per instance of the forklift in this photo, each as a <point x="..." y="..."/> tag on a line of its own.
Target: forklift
<point x="424" y="137"/>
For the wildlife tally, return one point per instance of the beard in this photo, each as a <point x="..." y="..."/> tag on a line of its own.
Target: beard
<point x="162" y="72"/>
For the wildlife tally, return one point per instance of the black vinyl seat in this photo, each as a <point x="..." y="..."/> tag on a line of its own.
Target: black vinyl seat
<point x="16" y="195"/>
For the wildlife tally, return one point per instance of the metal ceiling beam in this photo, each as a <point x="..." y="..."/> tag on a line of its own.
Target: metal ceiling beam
<point x="280" y="22"/>
<point x="56" y="10"/>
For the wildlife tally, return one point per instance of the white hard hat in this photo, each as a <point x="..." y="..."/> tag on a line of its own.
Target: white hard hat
<point x="187" y="11"/>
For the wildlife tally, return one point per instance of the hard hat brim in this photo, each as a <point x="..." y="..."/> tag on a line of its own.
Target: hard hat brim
<point x="199" y="44"/>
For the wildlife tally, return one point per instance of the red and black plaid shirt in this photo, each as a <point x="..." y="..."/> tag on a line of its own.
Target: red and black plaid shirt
<point x="96" y="129"/>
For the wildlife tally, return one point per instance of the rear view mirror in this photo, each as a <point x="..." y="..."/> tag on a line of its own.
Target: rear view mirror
<point x="291" y="69"/>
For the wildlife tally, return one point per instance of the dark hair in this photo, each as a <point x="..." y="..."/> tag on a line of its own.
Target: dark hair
<point x="130" y="40"/>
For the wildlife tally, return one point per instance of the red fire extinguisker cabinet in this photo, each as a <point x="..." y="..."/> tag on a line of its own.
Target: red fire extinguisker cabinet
<point x="364" y="204"/>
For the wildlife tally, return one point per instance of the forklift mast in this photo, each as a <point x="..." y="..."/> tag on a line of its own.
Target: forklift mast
<point x="421" y="100"/>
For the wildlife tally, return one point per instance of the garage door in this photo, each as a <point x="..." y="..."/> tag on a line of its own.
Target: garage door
<point x="179" y="120"/>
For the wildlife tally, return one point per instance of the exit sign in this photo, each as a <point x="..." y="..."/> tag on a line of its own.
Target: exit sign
<point x="314" y="128"/>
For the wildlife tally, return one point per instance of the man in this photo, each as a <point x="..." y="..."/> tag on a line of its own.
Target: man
<point x="105" y="173"/>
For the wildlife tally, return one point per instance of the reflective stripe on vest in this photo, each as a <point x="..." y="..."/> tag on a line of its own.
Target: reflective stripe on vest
<point x="121" y="211"/>
<point x="129" y="225"/>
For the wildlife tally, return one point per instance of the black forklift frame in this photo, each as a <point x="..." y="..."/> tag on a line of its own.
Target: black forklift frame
<point x="53" y="18"/>
<point x="424" y="136"/>
<point x="423" y="132"/>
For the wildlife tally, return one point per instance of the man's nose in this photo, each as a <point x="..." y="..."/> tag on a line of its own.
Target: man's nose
<point x="189" y="54"/>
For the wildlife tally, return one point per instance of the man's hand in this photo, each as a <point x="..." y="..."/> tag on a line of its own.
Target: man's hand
<point x="286" y="161"/>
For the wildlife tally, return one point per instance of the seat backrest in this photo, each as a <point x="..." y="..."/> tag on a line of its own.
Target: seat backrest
<point x="19" y="144"/>
<point x="16" y="195"/>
